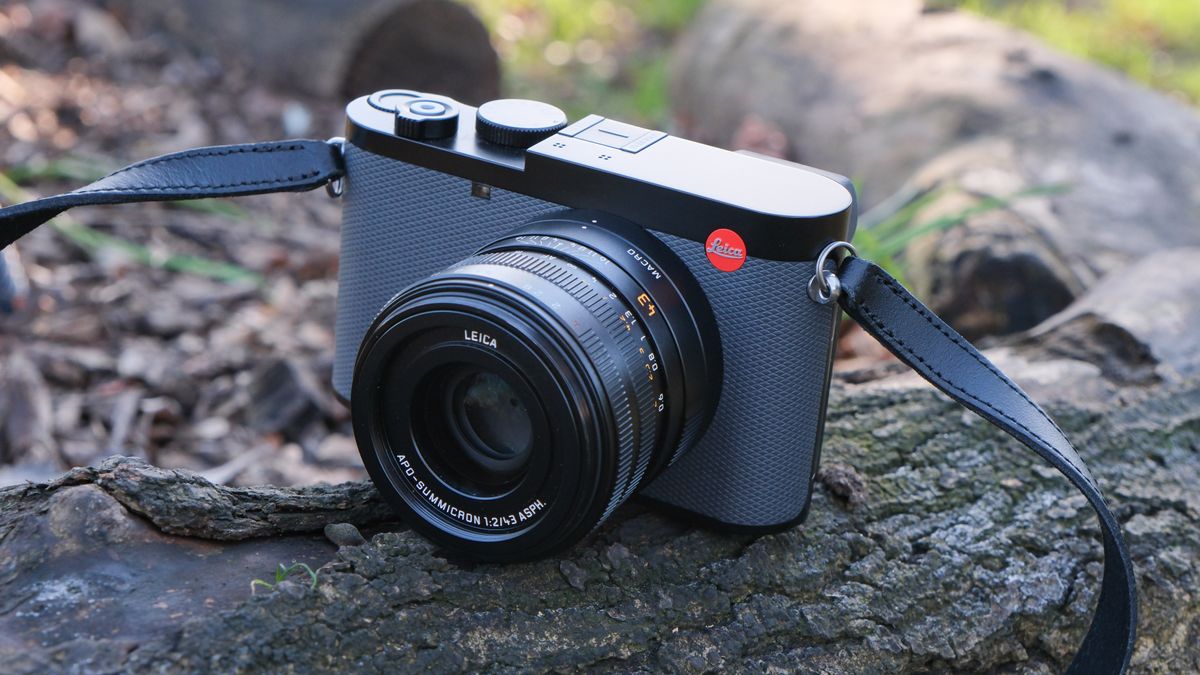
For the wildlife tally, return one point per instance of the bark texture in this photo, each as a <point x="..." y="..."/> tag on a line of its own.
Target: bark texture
<point x="911" y="101"/>
<point x="934" y="542"/>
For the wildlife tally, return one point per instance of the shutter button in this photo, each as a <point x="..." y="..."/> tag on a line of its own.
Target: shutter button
<point x="427" y="107"/>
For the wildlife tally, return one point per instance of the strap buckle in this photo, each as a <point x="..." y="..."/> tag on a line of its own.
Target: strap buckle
<point x="825" y="288"/>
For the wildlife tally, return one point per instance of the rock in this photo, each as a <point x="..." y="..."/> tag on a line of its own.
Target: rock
<point x="908" y="101"/>
<point x="843" y="481"/>
<point x="575" y="575"/>
<point x="962" y="554"/>
<point x="349" y="48"/>
<point x="344" y="534"/>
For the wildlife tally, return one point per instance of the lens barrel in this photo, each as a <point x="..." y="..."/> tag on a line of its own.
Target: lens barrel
<point x="508" y="404"/>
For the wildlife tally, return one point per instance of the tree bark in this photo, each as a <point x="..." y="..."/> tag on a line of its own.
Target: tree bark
<point x="933" y="543"/>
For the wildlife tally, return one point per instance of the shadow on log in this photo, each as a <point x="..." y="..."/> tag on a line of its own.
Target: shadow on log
<point x="932" y="544"/>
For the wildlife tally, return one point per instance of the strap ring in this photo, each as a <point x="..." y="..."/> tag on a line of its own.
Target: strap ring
<point x="824" y="287"/>
<point x="337" y="186"/>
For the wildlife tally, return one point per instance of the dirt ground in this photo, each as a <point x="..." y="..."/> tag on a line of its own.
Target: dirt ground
<point x="107" y="352"/>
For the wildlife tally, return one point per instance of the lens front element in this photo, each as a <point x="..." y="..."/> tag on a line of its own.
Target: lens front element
<point x="494" y="420"/>
<point x="473" y="429"/>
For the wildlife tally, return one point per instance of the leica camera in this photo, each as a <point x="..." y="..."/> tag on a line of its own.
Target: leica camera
<point x="539" y="319"/>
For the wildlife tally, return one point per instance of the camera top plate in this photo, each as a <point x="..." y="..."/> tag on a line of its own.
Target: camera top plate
<point x="782" y="210"/>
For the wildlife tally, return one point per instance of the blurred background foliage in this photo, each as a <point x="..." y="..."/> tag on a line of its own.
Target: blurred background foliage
<point x="1154" y="41"/>
<point x="589" y="56"/>
<point x="612" y="56"/>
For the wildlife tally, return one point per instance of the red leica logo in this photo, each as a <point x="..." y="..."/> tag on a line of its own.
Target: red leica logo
<point x="726" y="250"/>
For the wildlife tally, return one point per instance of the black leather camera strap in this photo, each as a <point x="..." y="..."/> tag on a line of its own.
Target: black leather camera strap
<point x="222" y="171"/>
<point x="919" y="338"/>
<point x="868" y="294"/>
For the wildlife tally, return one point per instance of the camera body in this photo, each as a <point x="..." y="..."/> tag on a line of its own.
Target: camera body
<point x="431" y="180"/>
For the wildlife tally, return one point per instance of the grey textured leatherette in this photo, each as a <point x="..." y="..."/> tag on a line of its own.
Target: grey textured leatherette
<point x="401" y="223"/>
<point x="754" y="465"/>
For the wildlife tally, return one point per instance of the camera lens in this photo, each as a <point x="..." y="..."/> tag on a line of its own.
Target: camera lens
<point x="509" y="403"/>
<point x="480" y="426"/>
<point x="492" y="417"/>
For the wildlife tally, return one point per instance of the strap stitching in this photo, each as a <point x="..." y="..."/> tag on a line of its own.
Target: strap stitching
<point x="270" y="181"/>
<point x="970" y="351"/>
<point x="224" y="152"/>
<point x="946" y="382"/>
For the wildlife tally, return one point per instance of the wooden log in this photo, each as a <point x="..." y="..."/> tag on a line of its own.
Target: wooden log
<point x="906" y="99"/>
<point x="934" y="543"/>
<point x="334" y="49"/>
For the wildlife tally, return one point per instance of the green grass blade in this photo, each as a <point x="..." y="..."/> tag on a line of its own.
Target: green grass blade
<point x="887" y="223"/>
<point x="67" y="169"/>
<point x="895" y="243"/>
<point x="215" y="207"/>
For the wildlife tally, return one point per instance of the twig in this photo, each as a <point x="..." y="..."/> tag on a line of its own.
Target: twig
<point x="227" y="472"/>
<point x="122" y="418"/>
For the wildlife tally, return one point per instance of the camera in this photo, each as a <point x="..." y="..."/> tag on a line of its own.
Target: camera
<point x="539" y="318"/>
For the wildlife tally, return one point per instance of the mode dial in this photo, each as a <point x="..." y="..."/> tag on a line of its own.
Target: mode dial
<point x="517" y="122"/>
